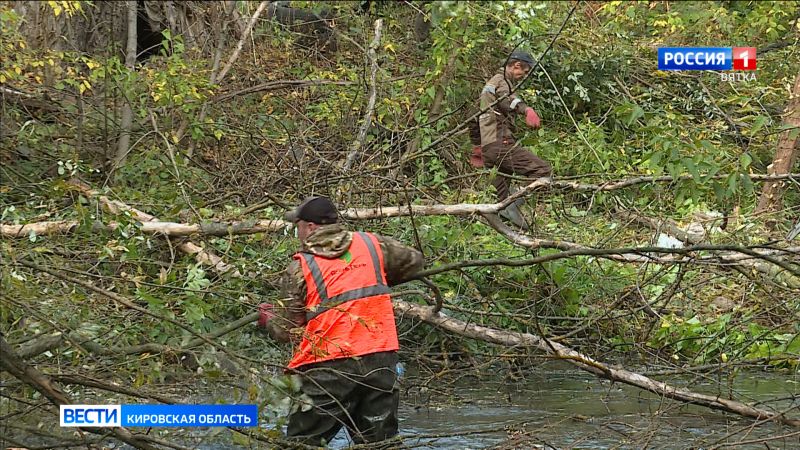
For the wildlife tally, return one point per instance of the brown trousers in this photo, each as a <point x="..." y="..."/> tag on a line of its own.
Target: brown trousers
<point x="512" y="159"/>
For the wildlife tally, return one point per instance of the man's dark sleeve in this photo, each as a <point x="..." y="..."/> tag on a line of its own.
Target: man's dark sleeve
<point x="400" y="261"/>
<point x="290" y="310"/>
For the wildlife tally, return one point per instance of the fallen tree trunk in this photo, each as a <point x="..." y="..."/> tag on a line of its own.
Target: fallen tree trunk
<point x="766" y="261"/>
<point x="38" y="228"/>
<point x="171" y="229"/>
<point x="583" y="362"/>
<point x="463" y="209"/>
<point x="663" y="226"/>
<point x="723" y="254"/>
<point x="116" y="207"/>
<point x="769" y="270"/>
<point x="214" y="228"/>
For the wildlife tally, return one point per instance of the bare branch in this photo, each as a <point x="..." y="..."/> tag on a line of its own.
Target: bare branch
<point x="359" y="143"/>
<point x="240" y="44"/>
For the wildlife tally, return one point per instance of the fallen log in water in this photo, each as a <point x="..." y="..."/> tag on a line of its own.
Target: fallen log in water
<point x="586" y="363"/>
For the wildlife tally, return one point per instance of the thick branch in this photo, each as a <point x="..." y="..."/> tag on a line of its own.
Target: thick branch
<point x="586" y="363"/>
<point x="240" y="44"/>
<point x="116" y="207"/>
<point x="38" y="228"/>
<point x="29" y="375"/>
<point x="359" y="143"/>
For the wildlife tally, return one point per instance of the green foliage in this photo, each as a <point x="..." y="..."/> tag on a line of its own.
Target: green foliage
<point x="716" y="339"/>
<point x="607" y="114"/>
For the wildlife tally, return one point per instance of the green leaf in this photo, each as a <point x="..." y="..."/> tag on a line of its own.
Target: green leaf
<point x="708" y="145"/>
<point x="635" y="114"/>
<point x="744" y="160"/>
<point x="692" y="169"/>
<point x="793" y="347"/>
<point x="732" y="183"/>
<point x="748" y="184"/>
<point x="758" y="124"/>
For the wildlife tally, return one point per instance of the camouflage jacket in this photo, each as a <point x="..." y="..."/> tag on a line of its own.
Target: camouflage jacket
<point x="332" y="241"/>
<point x="497" y="122"/>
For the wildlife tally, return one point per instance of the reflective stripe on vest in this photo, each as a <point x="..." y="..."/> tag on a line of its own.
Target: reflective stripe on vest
<point x="326" y="303"/>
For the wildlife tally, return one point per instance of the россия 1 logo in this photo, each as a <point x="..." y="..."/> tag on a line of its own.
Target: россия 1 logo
<point x="740" y="59"/>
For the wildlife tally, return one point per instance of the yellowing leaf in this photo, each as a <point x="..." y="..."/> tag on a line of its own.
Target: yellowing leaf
<point x="56" y="8"/>
<point x="389" y="46"/>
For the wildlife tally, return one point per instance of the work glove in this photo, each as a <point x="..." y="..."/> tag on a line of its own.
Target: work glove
<point x="531" y="118"/>
<point x="266" y="312"/>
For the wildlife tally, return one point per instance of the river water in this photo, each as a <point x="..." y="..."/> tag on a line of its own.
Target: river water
<point x="557" y="406"/>
<point x="560" y="407"/>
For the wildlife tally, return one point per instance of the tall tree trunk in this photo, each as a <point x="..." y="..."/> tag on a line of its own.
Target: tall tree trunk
<point x="127" y="111"/>
<point x="785" y="155"/>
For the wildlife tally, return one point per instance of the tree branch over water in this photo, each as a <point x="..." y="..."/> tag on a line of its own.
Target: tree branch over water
<point x="583" y="362"/>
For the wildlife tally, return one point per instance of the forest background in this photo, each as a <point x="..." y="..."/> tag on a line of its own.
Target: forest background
<point x="149" y="150"/>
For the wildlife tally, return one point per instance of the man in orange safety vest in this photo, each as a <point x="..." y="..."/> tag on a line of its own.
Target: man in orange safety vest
<point x="339" y="314"/>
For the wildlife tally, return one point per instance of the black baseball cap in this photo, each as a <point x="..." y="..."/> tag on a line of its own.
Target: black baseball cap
<point x="523" y="56"/>
<point x="319" y="210"/>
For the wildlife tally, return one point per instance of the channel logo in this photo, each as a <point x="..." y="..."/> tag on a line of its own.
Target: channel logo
<point x="707" y="58"/>
<point x="158" y="415"/>
<point x="90" y="415"/>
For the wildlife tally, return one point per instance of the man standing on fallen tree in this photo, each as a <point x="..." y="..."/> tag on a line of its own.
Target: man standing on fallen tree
<point x="340" y="312"/>
<point x="498" y="147"/>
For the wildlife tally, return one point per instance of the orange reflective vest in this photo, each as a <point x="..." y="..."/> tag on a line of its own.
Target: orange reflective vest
<point x="348" y="308"/>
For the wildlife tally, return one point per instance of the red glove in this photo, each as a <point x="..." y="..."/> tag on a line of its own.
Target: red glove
<point x="265" y="314"/>
<point x="531" y="118"/>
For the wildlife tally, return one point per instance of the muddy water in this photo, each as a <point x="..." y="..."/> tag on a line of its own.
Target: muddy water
<point x="564" y="408"/>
